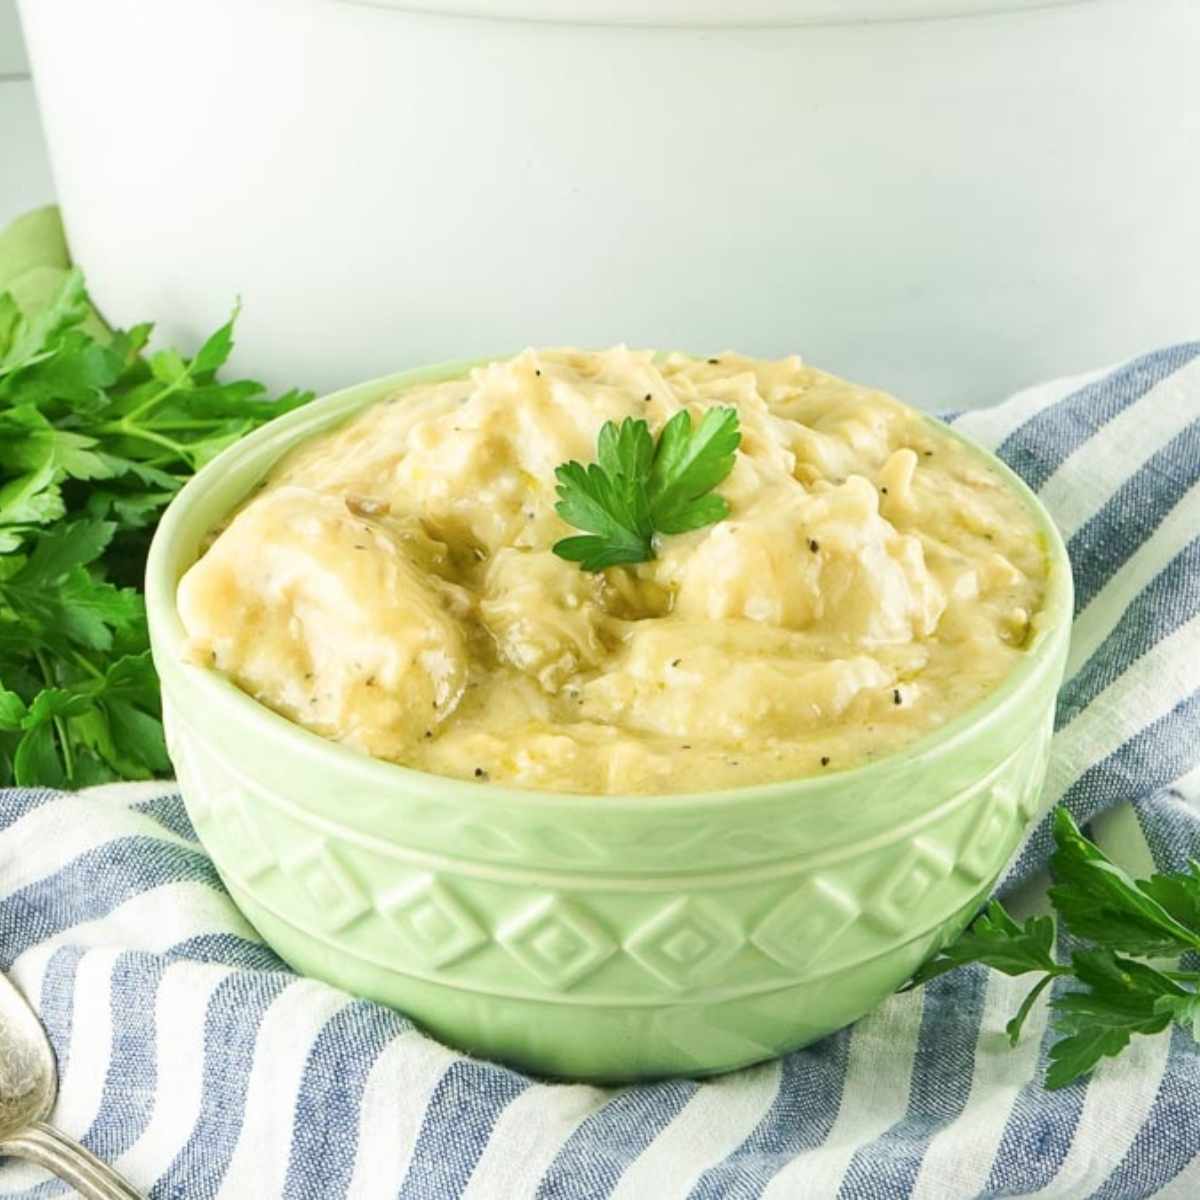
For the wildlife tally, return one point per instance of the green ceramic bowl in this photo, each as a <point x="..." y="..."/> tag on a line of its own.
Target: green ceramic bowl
<point x="593" y="937"/>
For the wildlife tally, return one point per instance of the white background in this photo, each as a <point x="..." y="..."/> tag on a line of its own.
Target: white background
<point x="24" y="172"/>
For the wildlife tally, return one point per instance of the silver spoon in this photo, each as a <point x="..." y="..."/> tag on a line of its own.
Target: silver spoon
<point x="28" y="1084"/>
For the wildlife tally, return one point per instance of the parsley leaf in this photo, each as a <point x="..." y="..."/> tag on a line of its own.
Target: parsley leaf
<point x="996" y="940"/>
<point x="687" y="466"/>
<point x="1108" y="995"/>
<point x="1185" y="1009"/>
<point x="1177" y="894"/>
<point x="1119" y="998"/>
<point x="638" y="489"/>
<point x="96" y="436"/>
<point x="592" y="499"/>
<point x="29" y="340"/>
<point x="1099" y="901"/>
<point x="12" y="712"/>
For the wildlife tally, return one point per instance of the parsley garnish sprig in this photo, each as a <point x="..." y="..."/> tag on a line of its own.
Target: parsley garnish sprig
<point x="638" y="489"/>
<point x="96" y="436"/>
<point x="1118" y="922"/>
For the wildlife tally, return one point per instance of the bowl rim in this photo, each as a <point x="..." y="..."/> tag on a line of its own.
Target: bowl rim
<point x="262" y="449"/>
<point x="714" y="14"/>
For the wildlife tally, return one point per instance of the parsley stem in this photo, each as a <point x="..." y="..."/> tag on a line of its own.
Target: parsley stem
<point x="60" y="726"/>
<point x="1013" y="1028"/>
<point x="1184" y="976"/>
<point x="21" y="363"/>
<point x="83" y="663"/>
<point x="183" y="424"/>
<point x="158" y="397"/>
<point x="136" y="431"/>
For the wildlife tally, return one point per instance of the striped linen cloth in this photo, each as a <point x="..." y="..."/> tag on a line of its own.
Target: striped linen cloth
<point x="192" y="1058"/>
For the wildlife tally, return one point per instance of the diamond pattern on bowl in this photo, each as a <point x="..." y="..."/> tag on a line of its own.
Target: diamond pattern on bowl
<point x="801" y="927"/>
<point x="332" y="891"/>
<point x="230" y="816"/>
<point x="685" y="941"/>
<point x="557" y="941"/>
<point x="433" y="922"/>
<point x="896" y="901"/>
<point x="1029" y="783"/>
<point x="977" y="859"/>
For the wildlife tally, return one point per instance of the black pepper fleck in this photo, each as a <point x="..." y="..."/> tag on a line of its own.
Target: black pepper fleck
<point x="676" y="661"/>
<point x="895" y="695"/>
<point x="824" y="760"/>
<point x="480" y="773"/>
<point x="359" y="547"/>
<point x="687" y="747"/>
<point x="537" y="372"/>
<point x="429" y="733"/>
<point x="370" y="681"/>
<point x="927" y="453"/>
<point x="814" y="545"/>
<point x="714" y="361"/>
<point x="883" y="491"/>
<point x="647" y="397"/>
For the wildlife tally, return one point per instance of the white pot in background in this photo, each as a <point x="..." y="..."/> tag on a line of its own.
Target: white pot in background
<point x="950" y="205"/>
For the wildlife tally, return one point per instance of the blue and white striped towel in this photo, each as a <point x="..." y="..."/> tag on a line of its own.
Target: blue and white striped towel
<point x="195" y="1060"/>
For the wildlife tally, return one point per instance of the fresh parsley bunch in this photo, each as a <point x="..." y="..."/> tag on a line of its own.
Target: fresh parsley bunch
<point x="637" y="489"/>
<point x="1117" y="923"/>
<point x="96" y="436"/>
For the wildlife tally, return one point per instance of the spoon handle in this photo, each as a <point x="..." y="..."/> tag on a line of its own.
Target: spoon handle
<point x="92" y="1179"/>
